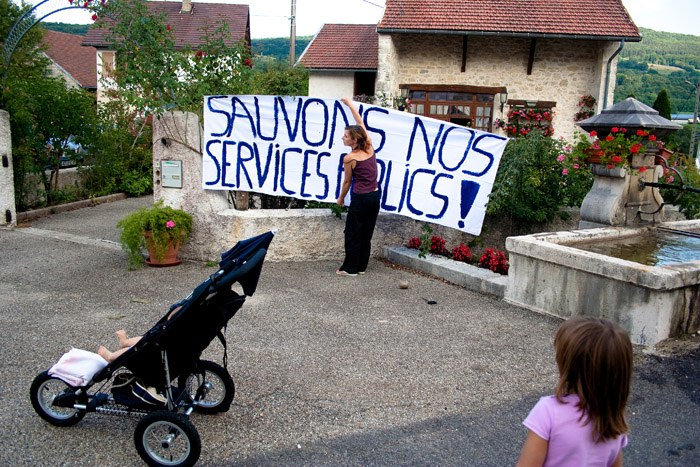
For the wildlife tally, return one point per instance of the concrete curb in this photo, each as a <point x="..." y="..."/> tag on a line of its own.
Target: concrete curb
<point x="468" y="276"/>
<point x="28" y="215"/>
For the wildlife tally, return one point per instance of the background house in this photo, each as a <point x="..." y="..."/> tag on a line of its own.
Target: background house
<point x="342" y="60"/>
<point x="74" y="63"/>
<point x="459" y="59"/>
<point x="188" y="22"/>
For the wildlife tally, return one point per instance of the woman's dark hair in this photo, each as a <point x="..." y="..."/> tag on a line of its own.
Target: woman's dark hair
<point x="359" y="134"/>
<point x="594" y="357"/>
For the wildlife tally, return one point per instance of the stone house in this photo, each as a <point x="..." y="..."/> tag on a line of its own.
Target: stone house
<point x="188" y="21"/>
<point x="471" y="61"/>
<point x="69" y="60"/>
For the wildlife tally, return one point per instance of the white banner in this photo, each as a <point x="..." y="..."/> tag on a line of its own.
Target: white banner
<point x="429" y="169"/>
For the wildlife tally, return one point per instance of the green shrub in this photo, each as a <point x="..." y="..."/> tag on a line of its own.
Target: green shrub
<point x="530" y="186"/>
<point x="688" y="202"/>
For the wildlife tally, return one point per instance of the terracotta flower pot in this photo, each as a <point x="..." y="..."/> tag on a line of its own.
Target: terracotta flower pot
<point x="593" y="156"/>
<point x="170" y="258"/>
<point x="665" y="153"/>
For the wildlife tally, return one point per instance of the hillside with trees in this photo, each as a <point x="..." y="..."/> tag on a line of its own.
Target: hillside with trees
<point x="276" y="49"/>
<point x="662" y="60"/>
<point x="79" y="29"/>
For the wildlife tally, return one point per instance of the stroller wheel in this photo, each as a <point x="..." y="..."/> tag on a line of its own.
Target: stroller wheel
<point x="53" y="400"/>
<point x="212" y="389"/>
<point x="167" y="438"/>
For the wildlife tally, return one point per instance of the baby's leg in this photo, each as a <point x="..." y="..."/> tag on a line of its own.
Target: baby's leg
<point x="110" y="356"/>
<point x="125" y="341"/>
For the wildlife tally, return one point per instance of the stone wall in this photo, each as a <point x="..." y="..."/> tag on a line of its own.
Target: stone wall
<point x="563" y="69"/>
<point x="35" y="191"/>
<point x="58" y="72"/>
<point x="388" y="69"/>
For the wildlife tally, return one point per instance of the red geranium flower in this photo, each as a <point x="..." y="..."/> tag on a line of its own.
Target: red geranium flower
<point x="594" y="134"/>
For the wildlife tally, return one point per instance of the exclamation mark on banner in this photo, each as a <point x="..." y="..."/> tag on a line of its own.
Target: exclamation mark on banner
<point x="469" y="192"/>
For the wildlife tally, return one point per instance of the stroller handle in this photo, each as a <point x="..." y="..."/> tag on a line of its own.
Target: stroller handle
<point x="223" y="279"/>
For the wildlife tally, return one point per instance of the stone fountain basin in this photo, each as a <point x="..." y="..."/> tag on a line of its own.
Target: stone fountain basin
<point x="549" y="275"/>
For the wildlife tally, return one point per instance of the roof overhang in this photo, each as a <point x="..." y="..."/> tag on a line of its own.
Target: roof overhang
<point x="365" y="70"/>
<point x="530" y="35"/>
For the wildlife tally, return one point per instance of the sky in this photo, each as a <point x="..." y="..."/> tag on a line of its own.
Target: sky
<point x="271" y="18"/>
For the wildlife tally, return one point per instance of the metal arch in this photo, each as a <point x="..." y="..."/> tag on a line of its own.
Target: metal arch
<point x="26" y="22"/>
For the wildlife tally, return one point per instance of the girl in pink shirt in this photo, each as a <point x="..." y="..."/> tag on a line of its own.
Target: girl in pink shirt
<point x="583" y="424"/>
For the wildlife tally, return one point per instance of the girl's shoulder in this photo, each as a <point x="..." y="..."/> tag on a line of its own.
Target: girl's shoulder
<point x="568" y="399"/>
<point x="363" y="155"/>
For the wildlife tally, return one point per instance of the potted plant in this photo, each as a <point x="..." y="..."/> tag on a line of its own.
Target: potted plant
<point x="615" y="150"/>
<point x="161" y="229"/>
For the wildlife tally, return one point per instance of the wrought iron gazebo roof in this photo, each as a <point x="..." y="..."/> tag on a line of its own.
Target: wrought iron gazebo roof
<point x="630" y="114"/>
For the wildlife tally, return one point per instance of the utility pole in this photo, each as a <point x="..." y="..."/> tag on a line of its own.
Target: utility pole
<point x="293" y="35"/>
<point x="691" y="151"/>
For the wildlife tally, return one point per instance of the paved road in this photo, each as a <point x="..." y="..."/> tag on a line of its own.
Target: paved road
<point x="329" y="370"/>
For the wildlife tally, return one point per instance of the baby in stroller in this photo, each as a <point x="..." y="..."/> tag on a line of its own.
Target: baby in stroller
<point x="162" y="369"/>
<point x="125" y="343"/>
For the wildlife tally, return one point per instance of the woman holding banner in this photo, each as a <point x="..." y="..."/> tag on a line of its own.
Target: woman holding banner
<point x="360" y="167"/>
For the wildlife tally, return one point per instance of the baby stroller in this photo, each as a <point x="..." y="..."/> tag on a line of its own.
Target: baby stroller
<point x="162" y="378"/>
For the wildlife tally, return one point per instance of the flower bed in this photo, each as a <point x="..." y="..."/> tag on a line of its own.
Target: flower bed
<point x="493" y="260"/>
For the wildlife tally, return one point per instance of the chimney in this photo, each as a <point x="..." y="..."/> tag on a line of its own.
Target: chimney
<point x="186" y="6"/>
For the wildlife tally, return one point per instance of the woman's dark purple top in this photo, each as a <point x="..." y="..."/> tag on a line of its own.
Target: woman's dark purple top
<point x="365" y="176"/>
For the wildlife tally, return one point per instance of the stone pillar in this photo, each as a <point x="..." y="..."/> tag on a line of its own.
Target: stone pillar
<point x="177" y="136"/>
<point x="387" y="65"/>
<point x="645" y="205"/>
<point x="7" y="179"/>
<point x="616" y="198"/>
<point x="604" y="205"/>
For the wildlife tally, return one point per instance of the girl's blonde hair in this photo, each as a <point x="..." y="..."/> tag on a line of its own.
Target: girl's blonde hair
<point x="359" y="134"/>
<point x="594" y="357"/>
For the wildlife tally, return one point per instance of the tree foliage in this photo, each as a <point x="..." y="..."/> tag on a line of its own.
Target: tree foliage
<point x="151" y="75"/>
<point x="44" y="114"/>
<point x="662" y="60"/>
<point x="663" y="104"/>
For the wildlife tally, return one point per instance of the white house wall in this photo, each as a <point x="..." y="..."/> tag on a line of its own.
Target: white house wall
<point x="101" y="87"/>
<point x="563" y="70"/>
<point x="331" y="84"/>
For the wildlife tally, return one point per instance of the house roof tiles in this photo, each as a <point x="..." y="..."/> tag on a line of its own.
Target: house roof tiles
<point x="343" y="46"/>
<point x="576" y="18"/>
<point x="79" y="62"/>
<point x="187" y="28"/>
